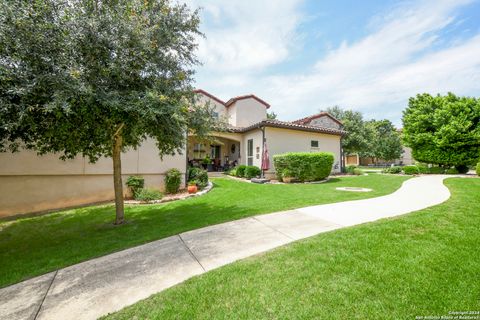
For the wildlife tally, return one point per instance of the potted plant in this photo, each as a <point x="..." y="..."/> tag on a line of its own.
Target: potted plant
<point x="207" y="163"/>
<point x="287" y="176"/>
<point x="192" y="187"/>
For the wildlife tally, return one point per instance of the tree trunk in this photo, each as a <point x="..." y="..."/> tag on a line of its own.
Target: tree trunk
<point x="117" y="178"/>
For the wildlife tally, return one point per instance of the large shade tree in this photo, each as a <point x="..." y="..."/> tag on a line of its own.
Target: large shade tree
<point x="384" y="141"/>
<point x="95" y="77"/>
<point x="443" y="130"/>
<point x="358" y="136"/>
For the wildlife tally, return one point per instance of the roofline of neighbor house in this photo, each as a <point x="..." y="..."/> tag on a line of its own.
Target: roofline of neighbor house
<point x="316" y="116"/>
<point x="232" y="100"/>
<point x="287" y="125"/>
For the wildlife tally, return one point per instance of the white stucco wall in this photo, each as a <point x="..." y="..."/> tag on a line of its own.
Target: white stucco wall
<point x="286" y="140"/>
<point x="246" y="112"/>
<point x="30" y="183"/>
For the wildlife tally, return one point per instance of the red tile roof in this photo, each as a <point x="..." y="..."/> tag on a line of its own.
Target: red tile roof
<point x="287" y="125"/>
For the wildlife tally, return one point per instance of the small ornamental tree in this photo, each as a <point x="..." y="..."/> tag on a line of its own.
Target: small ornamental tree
<point x="94" y="78"/>
<point x="443" y="130"/>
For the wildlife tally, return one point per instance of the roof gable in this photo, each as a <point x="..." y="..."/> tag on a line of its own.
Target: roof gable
<point x="248" y="96"/>
<point x="309" y="119"/>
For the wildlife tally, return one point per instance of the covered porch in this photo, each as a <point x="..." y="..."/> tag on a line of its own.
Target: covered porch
<point x="220" y="153"/>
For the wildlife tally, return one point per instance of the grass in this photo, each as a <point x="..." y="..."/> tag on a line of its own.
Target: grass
<point x="425" y="263"/>
<point x="34" y="246"/>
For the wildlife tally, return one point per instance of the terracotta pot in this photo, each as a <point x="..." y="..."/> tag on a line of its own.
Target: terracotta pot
<point x="192" y="189"/>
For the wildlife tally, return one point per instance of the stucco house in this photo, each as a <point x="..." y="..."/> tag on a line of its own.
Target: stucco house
<point x="31" y="183"/>
<point x="248" y="126"/>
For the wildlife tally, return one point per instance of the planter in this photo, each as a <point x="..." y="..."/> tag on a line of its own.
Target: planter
<point x="192" y="189"/>
<point x="288" y="179"/>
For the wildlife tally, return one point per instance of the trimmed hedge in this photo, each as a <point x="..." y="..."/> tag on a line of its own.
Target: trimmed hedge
<point x="304" y="166"/>
<point x="252" y="172"/>
<point x="411" y="170"/>
<point x="436" y="170"/>
<point x="173" y="179"/>
<point x="451" y="171"/>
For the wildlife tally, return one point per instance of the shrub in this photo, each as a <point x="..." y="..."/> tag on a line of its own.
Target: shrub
<point x="357" y="172"/>
<point x="199" y="175"/>
<point x="422" y="168"/>
<point x="451" y="171"/>
<point x="478" y="169"/>
<point x="252" y="172"/>
<point x="350" y="169"/>
<point x="393" y="170"/>
<point x="173" y="179"/>
<point x="304" y="166"/>
<point x="135" y="183"/>
<point x="241" y="170"/>
<point x="411" y="170"/>
<point x="232" y="172"/>
<point x="462" y="168"/>
<point x="146" y="194"/>
<point x="436" y="170"/>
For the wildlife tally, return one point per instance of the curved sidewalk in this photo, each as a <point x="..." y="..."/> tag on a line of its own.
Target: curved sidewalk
<point x="96" y="287"/>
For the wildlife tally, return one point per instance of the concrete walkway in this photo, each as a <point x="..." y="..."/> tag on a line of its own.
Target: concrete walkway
<point x="106" y="284"/>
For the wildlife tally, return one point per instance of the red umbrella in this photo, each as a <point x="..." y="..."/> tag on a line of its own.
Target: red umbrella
<point x="265" y="157"/>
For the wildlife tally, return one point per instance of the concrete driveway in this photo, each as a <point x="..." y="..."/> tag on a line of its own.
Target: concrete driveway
<point x="109" y="283"/>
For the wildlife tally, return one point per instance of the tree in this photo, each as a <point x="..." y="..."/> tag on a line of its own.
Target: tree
<point x="271" y="115"/>
<point x="94" y="78"/>
<point x="385" y="142"/>
<point x="358" y="136"/>
<point x="443" y="130"/>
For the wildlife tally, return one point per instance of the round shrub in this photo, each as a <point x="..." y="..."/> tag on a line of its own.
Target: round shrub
<point x="252" y="172"/>
<point x="147" y="194"/>
<point x="304" y="166"/>
<point x="411" y="170"/>
<point x="423" y="169"/>
<point x="173" y="179"/>
<point x="135" y="183"/>
<point x="478" y="169"/>
<point x="241" y="170"/>
<point x="393" y="170"/>
<point x="199" y="175"/>
<point x="232" y="172"/>
<point x="451" y="171"/>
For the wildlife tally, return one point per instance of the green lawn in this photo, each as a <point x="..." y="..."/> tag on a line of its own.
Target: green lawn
<point x="425" y="263"/>
<point x="34" y="246"/>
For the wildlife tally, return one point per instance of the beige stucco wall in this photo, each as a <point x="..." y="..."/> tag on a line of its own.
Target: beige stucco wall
<point x="256" y="136"/>
<point x="218" y="107"/>
<point x="245" y="112"/>
<point x="30" y="183"/>
<point x="285" y="140"/>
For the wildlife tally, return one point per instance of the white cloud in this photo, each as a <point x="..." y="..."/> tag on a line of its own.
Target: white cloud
<point x="377" y="74"/>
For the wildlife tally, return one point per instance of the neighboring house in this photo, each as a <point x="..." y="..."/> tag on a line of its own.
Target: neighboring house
<point x="31" y="183"/>
<point x="248" y="126"/>
<point x="404" y="160"/>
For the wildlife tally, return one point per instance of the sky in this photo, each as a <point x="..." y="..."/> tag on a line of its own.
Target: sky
<point x="303" y="56"/>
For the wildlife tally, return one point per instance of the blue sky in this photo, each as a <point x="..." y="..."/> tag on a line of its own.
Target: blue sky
<point x="371" y="56"/>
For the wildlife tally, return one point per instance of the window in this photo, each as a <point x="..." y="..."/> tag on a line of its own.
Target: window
<point x="250" y="152"/>
<point x="215" y="115"/>
<point x="314" y="143"/>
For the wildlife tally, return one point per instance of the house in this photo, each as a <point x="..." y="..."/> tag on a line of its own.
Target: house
<point x="248" y="126"/>
<point x="32" y="183"/>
